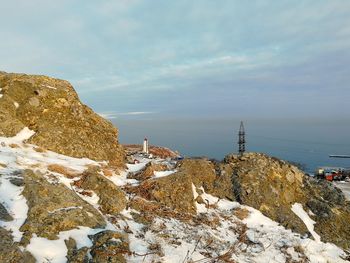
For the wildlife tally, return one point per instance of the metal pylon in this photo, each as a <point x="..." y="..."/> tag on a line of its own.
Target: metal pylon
<point x="241" y="140"/>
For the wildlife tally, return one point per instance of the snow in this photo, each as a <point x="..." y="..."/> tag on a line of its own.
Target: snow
<point x="136" y="167"/>
<point x="121" y="179"/>
<point x="55" y="251"/>
<point x="158" y="174"/>
<point x="15" y="204"/>
<point x="24" y="134"/>
<point x="300" y="212"/>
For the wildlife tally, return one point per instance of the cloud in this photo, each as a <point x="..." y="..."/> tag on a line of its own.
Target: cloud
<point x="174" y="55"/>
<point x="114" y="115"/>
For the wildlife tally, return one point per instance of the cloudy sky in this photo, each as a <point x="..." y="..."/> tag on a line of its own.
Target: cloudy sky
<point x="187" y="59"/>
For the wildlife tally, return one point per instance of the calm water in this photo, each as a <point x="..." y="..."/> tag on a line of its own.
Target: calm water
<point x="305" y="142"/>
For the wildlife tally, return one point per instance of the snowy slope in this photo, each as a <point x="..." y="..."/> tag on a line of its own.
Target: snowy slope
<point x="222" y="231"/>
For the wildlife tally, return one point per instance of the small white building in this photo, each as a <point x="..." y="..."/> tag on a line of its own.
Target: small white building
<point x="145" y="146"/>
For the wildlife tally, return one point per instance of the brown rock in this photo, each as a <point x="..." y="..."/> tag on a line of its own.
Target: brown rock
<point x="112" y="198"/>
<point x="52" y="109"/>
<point x="54" y="208"/>
<point x="10" y="252"/>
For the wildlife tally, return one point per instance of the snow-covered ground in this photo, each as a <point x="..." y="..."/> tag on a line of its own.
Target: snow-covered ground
<point x="221" y="229"/>
<point x="345" y="187"/>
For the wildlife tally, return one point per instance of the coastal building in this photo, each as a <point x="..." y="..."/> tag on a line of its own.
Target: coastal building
<point x="145" y="146"/>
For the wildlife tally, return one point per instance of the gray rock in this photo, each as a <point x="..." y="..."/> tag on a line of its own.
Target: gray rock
<point x="55" y="208"/>
<point x="4" y="215"/>
<point x="10" y="252"/>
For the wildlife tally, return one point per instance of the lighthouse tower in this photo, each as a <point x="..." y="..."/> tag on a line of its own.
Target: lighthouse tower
<point x="145" y="146"/>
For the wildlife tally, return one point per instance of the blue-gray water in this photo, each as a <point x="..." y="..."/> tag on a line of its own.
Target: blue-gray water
<point x="306" y="142"/>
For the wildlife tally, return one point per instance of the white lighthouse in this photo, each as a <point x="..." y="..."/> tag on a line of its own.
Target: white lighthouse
<point x="145" y="146"/>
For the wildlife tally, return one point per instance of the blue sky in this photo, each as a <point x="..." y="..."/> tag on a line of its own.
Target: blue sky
<point x="188" y="59"/>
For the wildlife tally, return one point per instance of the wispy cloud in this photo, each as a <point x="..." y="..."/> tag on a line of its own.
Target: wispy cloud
<point x="114" y="115"/>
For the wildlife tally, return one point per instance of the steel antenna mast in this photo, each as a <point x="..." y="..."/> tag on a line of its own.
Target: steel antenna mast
<point x="241" y="140"/>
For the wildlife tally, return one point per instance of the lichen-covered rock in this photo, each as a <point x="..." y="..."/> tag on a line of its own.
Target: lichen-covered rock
<point x="270" y="185"/>
<point x="210" y="175"/>
<point x="75" y="255"/>
<point x="52" y="109"/>
<point x="109" y="246"/>
<point x="148" y="171"/>
<point x="174" y="191"/>
<point x="10" y="252"/>
<point x="4" y="215"/>
<point x="273" y="186"/>
<point x="331" y="211"/>
<point x="54" y="208"/>
<point x="112" y="199"/>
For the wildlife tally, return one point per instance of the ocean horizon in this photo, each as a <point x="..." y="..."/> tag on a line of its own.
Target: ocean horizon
<point x="302" y="141"/>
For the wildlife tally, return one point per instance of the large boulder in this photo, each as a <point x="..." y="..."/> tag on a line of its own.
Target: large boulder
<point x="273" y="186"/>
<point x="108" y="246"/>
<point x="54" y="208"/>
<point x="112" y="199"/>
<point x="176" y="190"/>
<point x="52" y="109"/>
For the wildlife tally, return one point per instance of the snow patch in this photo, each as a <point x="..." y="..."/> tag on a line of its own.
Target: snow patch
<point x="24" y="134"/>
<point x="309" y="223"/>
<point x="15" y="203"/>
<point x="158" y="174"/>
<point x="55" y="251"/>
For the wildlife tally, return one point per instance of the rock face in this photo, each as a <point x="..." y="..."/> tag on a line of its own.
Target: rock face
<point x="11" y="252"/>
<point x="52" y="109"/>
<point x="112" y="200"/>
<point x="108" y="246"/>
<point x="55" y="208"/>
<point x="269" y="185"/>
<point x="273" y="186"/>
<point x="176" y="192"/>
<point x="257" y="180"/>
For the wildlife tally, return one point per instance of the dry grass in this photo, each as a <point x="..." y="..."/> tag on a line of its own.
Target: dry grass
<point x="144" y="190"/>
<point x="107" y="172"/>
<point x="67" y="172"/>
<point x="14" y="145"/>
<point x="241" y="213"/>
<point x="2" y="165"/>
<point x="149" y="210"/>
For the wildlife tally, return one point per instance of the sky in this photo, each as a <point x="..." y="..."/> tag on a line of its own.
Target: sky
<point x="188" y="59"/>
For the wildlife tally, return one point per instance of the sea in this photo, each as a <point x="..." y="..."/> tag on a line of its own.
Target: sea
<point x="308" y="142"/>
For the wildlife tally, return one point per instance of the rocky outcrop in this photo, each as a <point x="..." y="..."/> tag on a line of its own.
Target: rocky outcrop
<point x="148" y="171"/>
<point x="4" y="215"/>
<point x="112" y="200"/>
<point x="257" y="180"/>
<point x="52" y="109"/>
<point x="108" y="246"/>
<point x="176" y="192"/>
<point x="10" y="251"/>
<point x="161" y="152"/>
<point x="173" y="191"/>
<point x="269" y="185"/>
<point x="54" y="208"/>
<point x="330" y="210"/>
<point x="273" y="186"/>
